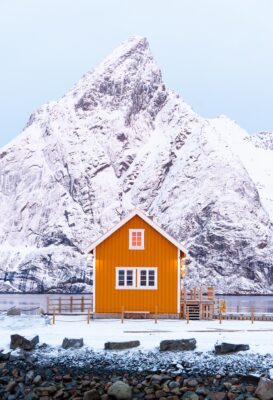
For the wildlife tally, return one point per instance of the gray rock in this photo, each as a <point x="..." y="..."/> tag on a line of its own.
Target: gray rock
<point x="14" y="311"/>
<point x="4" y="355"/>
<point x="173" y="384"/>
<point x="264" y="390"/>
<point x="72" y="343"/>
<point x="91" y="395"/>
<point x="202" y="390"/>
<point x="192" y="382"/>
<point x="180" y="344"/>
<point x="121" y="345"/>
<point x="29" y="376"/>
<point x="225" y="348"/>
<point x="159" y="378"/>
<point x="120" y="391"/>
<point x="18" y="341"/>
<point x="190" y="396"/>
<point x="17" y="354"/>
<point x="37" y="379"/>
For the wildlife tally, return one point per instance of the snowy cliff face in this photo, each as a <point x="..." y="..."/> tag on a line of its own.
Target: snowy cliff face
<point x="118" y="140"/>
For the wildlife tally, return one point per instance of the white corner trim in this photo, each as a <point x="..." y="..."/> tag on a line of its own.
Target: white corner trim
<point x="94" y="281"/>
<point x="178" y="283"/>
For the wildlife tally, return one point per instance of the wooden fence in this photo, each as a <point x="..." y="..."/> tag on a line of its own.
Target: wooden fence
<point x="69" y="305"/>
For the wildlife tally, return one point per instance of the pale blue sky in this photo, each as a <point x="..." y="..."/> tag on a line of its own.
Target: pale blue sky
<point x="217" y="54"/>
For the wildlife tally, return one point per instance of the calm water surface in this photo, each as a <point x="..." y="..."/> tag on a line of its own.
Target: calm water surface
<point x="262" y="304"/>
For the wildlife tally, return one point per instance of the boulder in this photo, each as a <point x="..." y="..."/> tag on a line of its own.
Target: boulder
<point x="178" y="345"/>
<point x="120" y="391"/>
<point x="121" y="345"/>
<point x="14" y="311"/>
<point x="18" y="341"/>
<point x="72" y="343"/>
<point x="264" y="390"/>
<point x="225" y="348"/>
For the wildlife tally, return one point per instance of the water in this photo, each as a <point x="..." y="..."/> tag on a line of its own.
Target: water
<point x="29" y="301"/>
<point x="262" y="304"/>
<point x="243" y="304"/>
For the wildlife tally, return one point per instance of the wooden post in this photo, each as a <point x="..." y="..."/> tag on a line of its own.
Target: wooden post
<point x="155" y="314"/>
<point x="122" y="314"/>
<point x="54" y="316"/>
<point x="82" y="304"/>
<point x="88" y="315"/>
<point x="187" y="315"/>
<point x="194" y="294"/>
<point x="71" y="304"/>
<point x="252" y="314"/>
<point x="201" y="313"/>
<point x="60" y="305"/>
<point x="220" y="316"/>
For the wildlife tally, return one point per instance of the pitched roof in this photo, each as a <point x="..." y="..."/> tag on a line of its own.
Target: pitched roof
<point x="125" y="220"/>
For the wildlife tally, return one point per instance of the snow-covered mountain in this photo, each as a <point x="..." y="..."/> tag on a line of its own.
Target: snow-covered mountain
<point x="120" y="139"/>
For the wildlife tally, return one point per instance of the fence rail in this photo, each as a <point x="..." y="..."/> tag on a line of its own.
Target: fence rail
<point x="69" y="305"/>
<point x="198" y="295"/>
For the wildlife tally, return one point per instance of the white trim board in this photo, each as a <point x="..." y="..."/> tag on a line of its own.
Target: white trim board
<point x="94" y="281"/>
<point x="128" y="218"/>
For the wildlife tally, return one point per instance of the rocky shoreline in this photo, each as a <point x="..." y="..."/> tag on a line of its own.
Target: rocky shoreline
<point x="25" y="379"/>
<point x="34" y="371"/>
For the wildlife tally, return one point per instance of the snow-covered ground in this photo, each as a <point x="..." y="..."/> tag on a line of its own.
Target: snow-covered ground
<point x="206" y="333"/>
<point x="257" y="361"/>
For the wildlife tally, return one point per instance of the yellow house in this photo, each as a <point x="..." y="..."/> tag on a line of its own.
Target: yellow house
<point x="137" y="267"/>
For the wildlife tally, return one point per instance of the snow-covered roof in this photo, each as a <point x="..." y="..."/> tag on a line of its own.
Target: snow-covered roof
<point x="125" y="220"/>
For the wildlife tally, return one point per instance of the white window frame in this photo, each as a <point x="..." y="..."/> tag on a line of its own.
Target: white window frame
<point x="125" y="269"/>
<point x="136" y="278"/>
<point x="147" y="269"/>
<point x="141" y="247"/>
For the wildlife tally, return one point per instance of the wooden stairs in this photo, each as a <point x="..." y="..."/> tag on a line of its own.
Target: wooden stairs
<point x="193" y="311"/>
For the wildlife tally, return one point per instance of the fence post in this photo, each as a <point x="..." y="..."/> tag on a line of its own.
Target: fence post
<point x="71" y="304"/>
<point x="220" y="317"/>
<point x="155" y="314"/>
<point x="88" y="315"/>
<point x="122" y="314"/>
<point x="82" y="304"/>
<point x="60" y="305"/>
<point x="54" y="316"/>
<point x="187" y="315"/>
<point x="252" y="314"/>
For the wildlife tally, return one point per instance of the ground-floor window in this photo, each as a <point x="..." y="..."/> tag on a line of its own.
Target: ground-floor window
<point x="136" y="278"/>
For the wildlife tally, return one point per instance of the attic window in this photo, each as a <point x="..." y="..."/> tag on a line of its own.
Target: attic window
<point x="136" y="239"/>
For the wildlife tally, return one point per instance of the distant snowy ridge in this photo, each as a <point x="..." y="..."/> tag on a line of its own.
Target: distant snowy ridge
<point x="118" y="140"/>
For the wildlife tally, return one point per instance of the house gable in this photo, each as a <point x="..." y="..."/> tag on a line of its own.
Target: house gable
<point x="141" y="215"/>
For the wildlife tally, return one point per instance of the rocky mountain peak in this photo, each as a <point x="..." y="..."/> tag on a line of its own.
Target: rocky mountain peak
<point x="129" y="77"/>
<point x="118" y="140"/>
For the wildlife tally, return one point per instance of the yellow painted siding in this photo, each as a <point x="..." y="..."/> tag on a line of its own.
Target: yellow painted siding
<point x="114" y="252"/>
